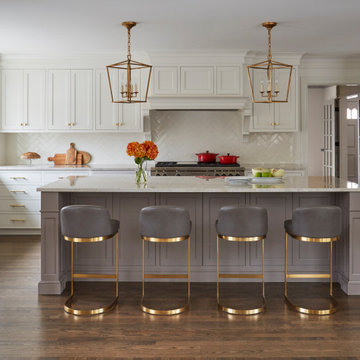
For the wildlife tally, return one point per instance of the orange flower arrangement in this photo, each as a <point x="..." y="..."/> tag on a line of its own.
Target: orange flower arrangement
<point x="142" y="152"/>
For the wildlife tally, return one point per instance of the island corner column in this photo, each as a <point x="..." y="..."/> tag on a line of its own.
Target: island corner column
<point x="54" y="257"/>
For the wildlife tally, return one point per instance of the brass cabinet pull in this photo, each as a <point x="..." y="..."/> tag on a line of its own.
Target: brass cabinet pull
<point x="21" y="124"/>
<point x="274" y="123"/>
<point x="18" y="178"/>
<point x="60" y="177"/>
<point x="17" y="219"/>
<point x="69" y="124"/>
<point x="26" y="124"/>
<point x="18" y="191"/>
<point x="17" y="205"/>
<point x="73" y="124"/>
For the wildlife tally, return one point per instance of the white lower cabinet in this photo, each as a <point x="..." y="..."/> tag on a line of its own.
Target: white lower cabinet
<point x="19" y="200"/>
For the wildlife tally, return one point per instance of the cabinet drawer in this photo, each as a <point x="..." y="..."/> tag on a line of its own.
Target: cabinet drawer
<point x="19" y="191"/>
<point x="51" y="176"/>
<point x="14" y="177"/>
<point x="25" y="221"/>
<point x="16" y="206"/>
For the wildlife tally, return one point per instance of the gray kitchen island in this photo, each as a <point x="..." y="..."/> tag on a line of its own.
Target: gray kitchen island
<point x="203" y="197"/>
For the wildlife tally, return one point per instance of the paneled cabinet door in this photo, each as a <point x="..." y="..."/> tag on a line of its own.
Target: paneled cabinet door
<point x="81" y="99"/>
<point x="165" y="80"/>
<point x="107" y="113"/>
<point x="228" y="80"/>
<point x="130" y="117"/>
<point x="12" y="99"/>
<point x="34" y="99"/>
<point x="59" y="100"/>
<point x="197" y="80"/>
<point x="277" y="117"/>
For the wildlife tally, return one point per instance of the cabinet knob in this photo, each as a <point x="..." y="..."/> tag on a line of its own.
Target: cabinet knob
<point x="69" y="124"/>
<point x="73" y="124"/>
<point x="21" y="124"/>
<point x="274" y="123"/>
<point x="26" y="124"/>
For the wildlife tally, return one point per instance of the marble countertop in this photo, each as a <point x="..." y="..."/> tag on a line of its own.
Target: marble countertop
<point x="191" y="184"/>
<point x="51" y="167"/>
<point x="285" y="166"/>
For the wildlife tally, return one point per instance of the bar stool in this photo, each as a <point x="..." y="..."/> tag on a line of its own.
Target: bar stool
<point x="246" y="224"/>
<point x="88" y="224"/>
<point x="319" y="225"/>
<point x="164" y="224"/>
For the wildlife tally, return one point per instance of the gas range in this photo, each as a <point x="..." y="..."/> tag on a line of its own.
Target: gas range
<point x="193" y="168"/>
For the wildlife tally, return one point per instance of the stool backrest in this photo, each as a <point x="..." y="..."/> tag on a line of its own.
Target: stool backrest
<point x="247" y="221"/>
<point x="317" y="222"/>
<point x="164" y="222"/>
<point x="85" y="221"/>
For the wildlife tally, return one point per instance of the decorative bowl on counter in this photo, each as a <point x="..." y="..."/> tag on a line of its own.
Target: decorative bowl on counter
<point x="267" y="173"/>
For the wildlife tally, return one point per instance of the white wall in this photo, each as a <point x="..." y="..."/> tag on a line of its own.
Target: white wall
<point x="315" y="131"/>
<point x="2" y="149"/>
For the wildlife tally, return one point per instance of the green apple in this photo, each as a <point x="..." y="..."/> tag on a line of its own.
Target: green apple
<point x="277" y="172"/>
<point x="259" y="170"/>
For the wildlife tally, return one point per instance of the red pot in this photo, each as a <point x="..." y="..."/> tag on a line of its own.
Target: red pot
<point x="228" y="159"/>
<point x="207" y="157"/>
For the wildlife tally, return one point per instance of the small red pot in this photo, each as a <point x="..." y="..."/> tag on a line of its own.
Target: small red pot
<point x="228" y="159"/>
<point x="207" y="157"/>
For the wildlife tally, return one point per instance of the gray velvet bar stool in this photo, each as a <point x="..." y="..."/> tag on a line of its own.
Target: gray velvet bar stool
<point x="164" y="224"/>
<point x="89" y="224"/>
<point x="317" y="225"/>
<point x="245" y="224"/>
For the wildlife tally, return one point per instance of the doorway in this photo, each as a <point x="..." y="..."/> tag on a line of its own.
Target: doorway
<point x="333" y="131"/>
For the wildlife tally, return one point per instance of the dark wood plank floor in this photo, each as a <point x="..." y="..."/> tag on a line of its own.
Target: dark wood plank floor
<point x="33" y="326"/>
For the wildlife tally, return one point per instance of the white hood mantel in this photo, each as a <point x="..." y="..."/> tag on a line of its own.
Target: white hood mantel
<point x="198" y="102"/>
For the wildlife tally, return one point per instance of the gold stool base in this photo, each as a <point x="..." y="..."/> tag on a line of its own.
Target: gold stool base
<point x="151" y="311"/>
<point x="243" y="311"/>
<point x="69" y="309"/>
<point x="333" y="308"/>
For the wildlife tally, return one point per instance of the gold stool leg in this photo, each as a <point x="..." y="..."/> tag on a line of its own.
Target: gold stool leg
<point x="68" y="306"/>
<point x="333" y="303"/>
<point x="229" y="310"/>
<point x="175" y="311"/>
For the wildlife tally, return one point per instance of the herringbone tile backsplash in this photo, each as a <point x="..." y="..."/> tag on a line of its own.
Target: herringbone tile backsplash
<point x="178" y="134"/>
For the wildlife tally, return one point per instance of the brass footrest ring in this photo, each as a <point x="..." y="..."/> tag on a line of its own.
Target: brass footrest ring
<point x="333" y="308"/>
<point x="69" y="309"/>
<point x="243" y="311"/>
<point x="151" y="311"/>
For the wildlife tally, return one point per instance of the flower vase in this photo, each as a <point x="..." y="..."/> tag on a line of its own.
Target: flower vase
<point x="141" y="176"/>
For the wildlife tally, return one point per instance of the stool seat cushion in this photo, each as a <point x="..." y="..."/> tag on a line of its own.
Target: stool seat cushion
<point x="164" y="222"/>
<point x="315" y="222"/>
<point x="87" y="221"/>
<point x="248" y="221"/>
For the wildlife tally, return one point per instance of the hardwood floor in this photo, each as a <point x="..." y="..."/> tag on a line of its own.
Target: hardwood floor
<point x="33" y="326"/>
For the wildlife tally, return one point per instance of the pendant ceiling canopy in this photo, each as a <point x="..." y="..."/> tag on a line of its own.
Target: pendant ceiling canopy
<point x="129" y="79"/>
<point x="269" y="80"/>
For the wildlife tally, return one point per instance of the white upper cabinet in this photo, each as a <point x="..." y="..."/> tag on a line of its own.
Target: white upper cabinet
<point x="107" y="113"/>
<point x="165" y="80"/>
<point x="197" y="80"/>
<point x="112" y="116"/>
<point x="228" y="80"/>
<point x="59" y="100"/>
<point x="81" y="99"/>
<point x="34" y="99"/>
<point x="12" y="99"/>
<point x="277" y="117"/>
<point x="70" y="99"/>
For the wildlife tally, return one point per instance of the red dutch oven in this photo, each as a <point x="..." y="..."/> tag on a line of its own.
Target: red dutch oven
<point x="228" y="159"/>
<point x="207" y="157"/>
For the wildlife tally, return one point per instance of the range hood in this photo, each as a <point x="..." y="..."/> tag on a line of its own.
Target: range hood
<point x="198" y="102"/>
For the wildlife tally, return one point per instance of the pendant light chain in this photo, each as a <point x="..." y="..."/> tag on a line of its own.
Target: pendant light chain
<point x="269" y="42"/>
<point x="129" y="54"/>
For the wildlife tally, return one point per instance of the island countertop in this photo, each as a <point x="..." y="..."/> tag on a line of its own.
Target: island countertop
<point x="192" y="184"/>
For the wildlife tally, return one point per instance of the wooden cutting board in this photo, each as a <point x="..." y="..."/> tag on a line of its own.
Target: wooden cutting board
<point x="86" y="157"/>
<point x="71" y="155"/>
<point x="60" y="159"/>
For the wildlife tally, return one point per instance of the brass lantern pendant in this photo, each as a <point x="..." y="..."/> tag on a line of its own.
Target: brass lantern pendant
<point x="269" y="79"/>
<point x="129" y="79"/>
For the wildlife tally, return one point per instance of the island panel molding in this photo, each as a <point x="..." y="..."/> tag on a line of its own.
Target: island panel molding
<point x="202" y="197"/>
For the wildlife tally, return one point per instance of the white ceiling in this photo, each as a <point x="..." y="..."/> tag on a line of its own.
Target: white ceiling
<point x="315" y="27"/>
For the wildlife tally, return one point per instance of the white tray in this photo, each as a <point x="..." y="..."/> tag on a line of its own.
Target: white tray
<point x="266" y="180"/>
